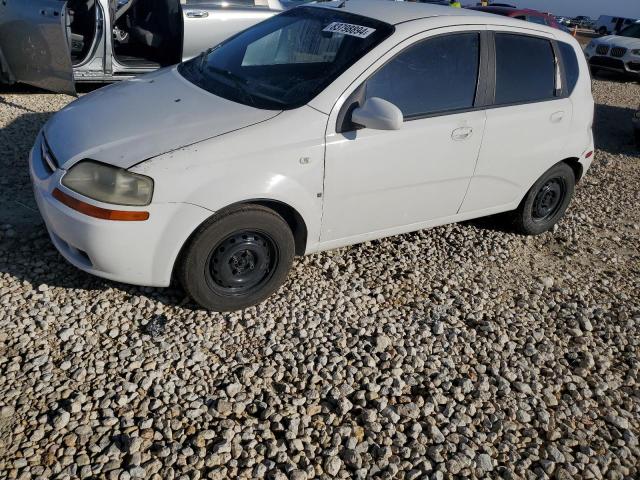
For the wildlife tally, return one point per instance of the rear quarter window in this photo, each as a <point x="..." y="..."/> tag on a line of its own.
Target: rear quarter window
<point x="525" y="69"/>
<point x="571" y="66"/>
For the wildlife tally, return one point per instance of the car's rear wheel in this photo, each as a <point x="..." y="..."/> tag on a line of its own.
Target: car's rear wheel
<point x="237" y="259"/>
<point x="546" y="202"/>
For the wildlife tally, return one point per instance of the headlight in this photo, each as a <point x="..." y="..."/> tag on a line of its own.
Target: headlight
<point x="635" y="52"/>
<point x="109" y="184"/>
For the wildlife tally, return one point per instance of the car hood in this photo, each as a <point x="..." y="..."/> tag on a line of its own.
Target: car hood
<point x="127" y="123"/>
<point x="618" y="41"/>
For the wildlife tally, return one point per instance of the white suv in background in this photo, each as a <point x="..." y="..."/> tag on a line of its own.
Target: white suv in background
<point x="617" y="53"/>
<point x="327" y="125"/>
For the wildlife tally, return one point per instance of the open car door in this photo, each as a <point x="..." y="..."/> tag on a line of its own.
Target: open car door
<point x="35" y="49"/>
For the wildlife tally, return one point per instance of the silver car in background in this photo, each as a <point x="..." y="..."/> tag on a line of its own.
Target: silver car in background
<point x="52" y="44"/>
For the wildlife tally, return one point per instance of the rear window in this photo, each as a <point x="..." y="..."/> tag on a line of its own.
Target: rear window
<point x="525" y="69"/>
<point x="571" y="66"/>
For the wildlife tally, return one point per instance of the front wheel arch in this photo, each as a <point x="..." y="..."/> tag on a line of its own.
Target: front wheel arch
<point x="293" y="218"/>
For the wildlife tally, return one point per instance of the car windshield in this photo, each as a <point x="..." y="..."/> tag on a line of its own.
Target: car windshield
<point x="633" y="31"/>
<point x="285" y="61"/>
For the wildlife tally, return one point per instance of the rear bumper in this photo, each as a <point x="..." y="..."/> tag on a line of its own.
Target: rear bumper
<point x="139" y="252"/>
<point x="586" y="161"/>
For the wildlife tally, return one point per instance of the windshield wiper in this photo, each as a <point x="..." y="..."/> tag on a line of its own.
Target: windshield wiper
<point x="229" y="74"/>
<point x="239" y="82"/>
<point x="203" y="58"/>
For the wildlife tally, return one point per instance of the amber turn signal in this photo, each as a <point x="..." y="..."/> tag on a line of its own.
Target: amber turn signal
<point x="97" y="212"/>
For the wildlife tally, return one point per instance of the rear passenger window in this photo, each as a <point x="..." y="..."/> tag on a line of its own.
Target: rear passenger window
<point x="525" y="69"/>
<point x="571" y="67"/>
<point x="436" y="75"/>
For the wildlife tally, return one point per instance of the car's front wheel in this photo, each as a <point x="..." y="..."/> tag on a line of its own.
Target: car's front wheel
<point x="237" y="259"/>
<point x="546" y="202"/>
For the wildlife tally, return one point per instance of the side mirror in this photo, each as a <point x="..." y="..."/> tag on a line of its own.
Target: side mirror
<point x="378" y="114"/>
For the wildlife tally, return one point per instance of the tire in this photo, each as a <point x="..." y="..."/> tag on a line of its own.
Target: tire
<point x="546" y="202"/>
<point x="237" y="259"/>
<point x="636" y="134"/>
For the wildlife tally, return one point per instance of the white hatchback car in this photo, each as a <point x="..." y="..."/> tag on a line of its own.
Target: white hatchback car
<point x="327" y="125"/>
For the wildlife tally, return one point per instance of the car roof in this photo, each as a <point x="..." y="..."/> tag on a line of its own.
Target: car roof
<point x="507" y="11"/>
<point x="395" y="12"/>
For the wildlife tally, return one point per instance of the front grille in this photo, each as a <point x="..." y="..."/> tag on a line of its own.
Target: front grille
<point x="618" y="52"/>
<point x="607" y="62"/>
<point x="602" y="50"/>
<point x="47" y="156"/>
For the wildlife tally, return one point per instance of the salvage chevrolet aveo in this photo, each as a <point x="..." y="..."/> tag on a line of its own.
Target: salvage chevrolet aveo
<point x="327" y="125"/>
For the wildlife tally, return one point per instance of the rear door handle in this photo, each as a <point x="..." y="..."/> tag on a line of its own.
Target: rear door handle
<point x="461" y="133"/>
<point x="197" y="14"/>
<point x="557" y="117"/>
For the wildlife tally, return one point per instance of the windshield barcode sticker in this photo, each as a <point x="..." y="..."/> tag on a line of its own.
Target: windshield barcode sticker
<point x="349" y="29"/>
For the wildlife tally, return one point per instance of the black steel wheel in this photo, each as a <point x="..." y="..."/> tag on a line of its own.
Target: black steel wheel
<point x="243" y="261"/>
<point x="546" y="201"/>
<point x="237" y="258"/>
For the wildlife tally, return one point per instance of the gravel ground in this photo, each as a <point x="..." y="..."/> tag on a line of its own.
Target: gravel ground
<point x="460" y="351"/>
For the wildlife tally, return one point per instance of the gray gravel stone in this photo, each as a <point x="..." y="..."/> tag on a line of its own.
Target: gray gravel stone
<point x="332" y="466"/>
<point x="61" y="419"/>
<point x="484" y="462"/>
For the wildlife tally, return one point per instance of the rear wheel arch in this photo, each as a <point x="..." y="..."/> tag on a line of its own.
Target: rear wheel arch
<point x="576" y="166"/>
<point x="523" y="219"/>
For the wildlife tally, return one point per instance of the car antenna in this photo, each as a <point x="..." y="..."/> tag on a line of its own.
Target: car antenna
<point x="342" y="5"/>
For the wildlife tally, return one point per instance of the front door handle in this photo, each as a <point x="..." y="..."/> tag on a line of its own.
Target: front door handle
<point x="557" y="117"/>
<point x="461" y="133"/>
<point x="197" y="14"/>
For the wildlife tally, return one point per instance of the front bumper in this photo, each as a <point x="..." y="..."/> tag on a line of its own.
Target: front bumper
<point x="629" y="64"/>
<point x="140" y="253"/>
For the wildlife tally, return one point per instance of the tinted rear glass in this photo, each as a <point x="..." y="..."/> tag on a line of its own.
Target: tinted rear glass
<point x="632" y="31"/>
<point x="525" y="69"/>
<point x="571" y="66"/>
